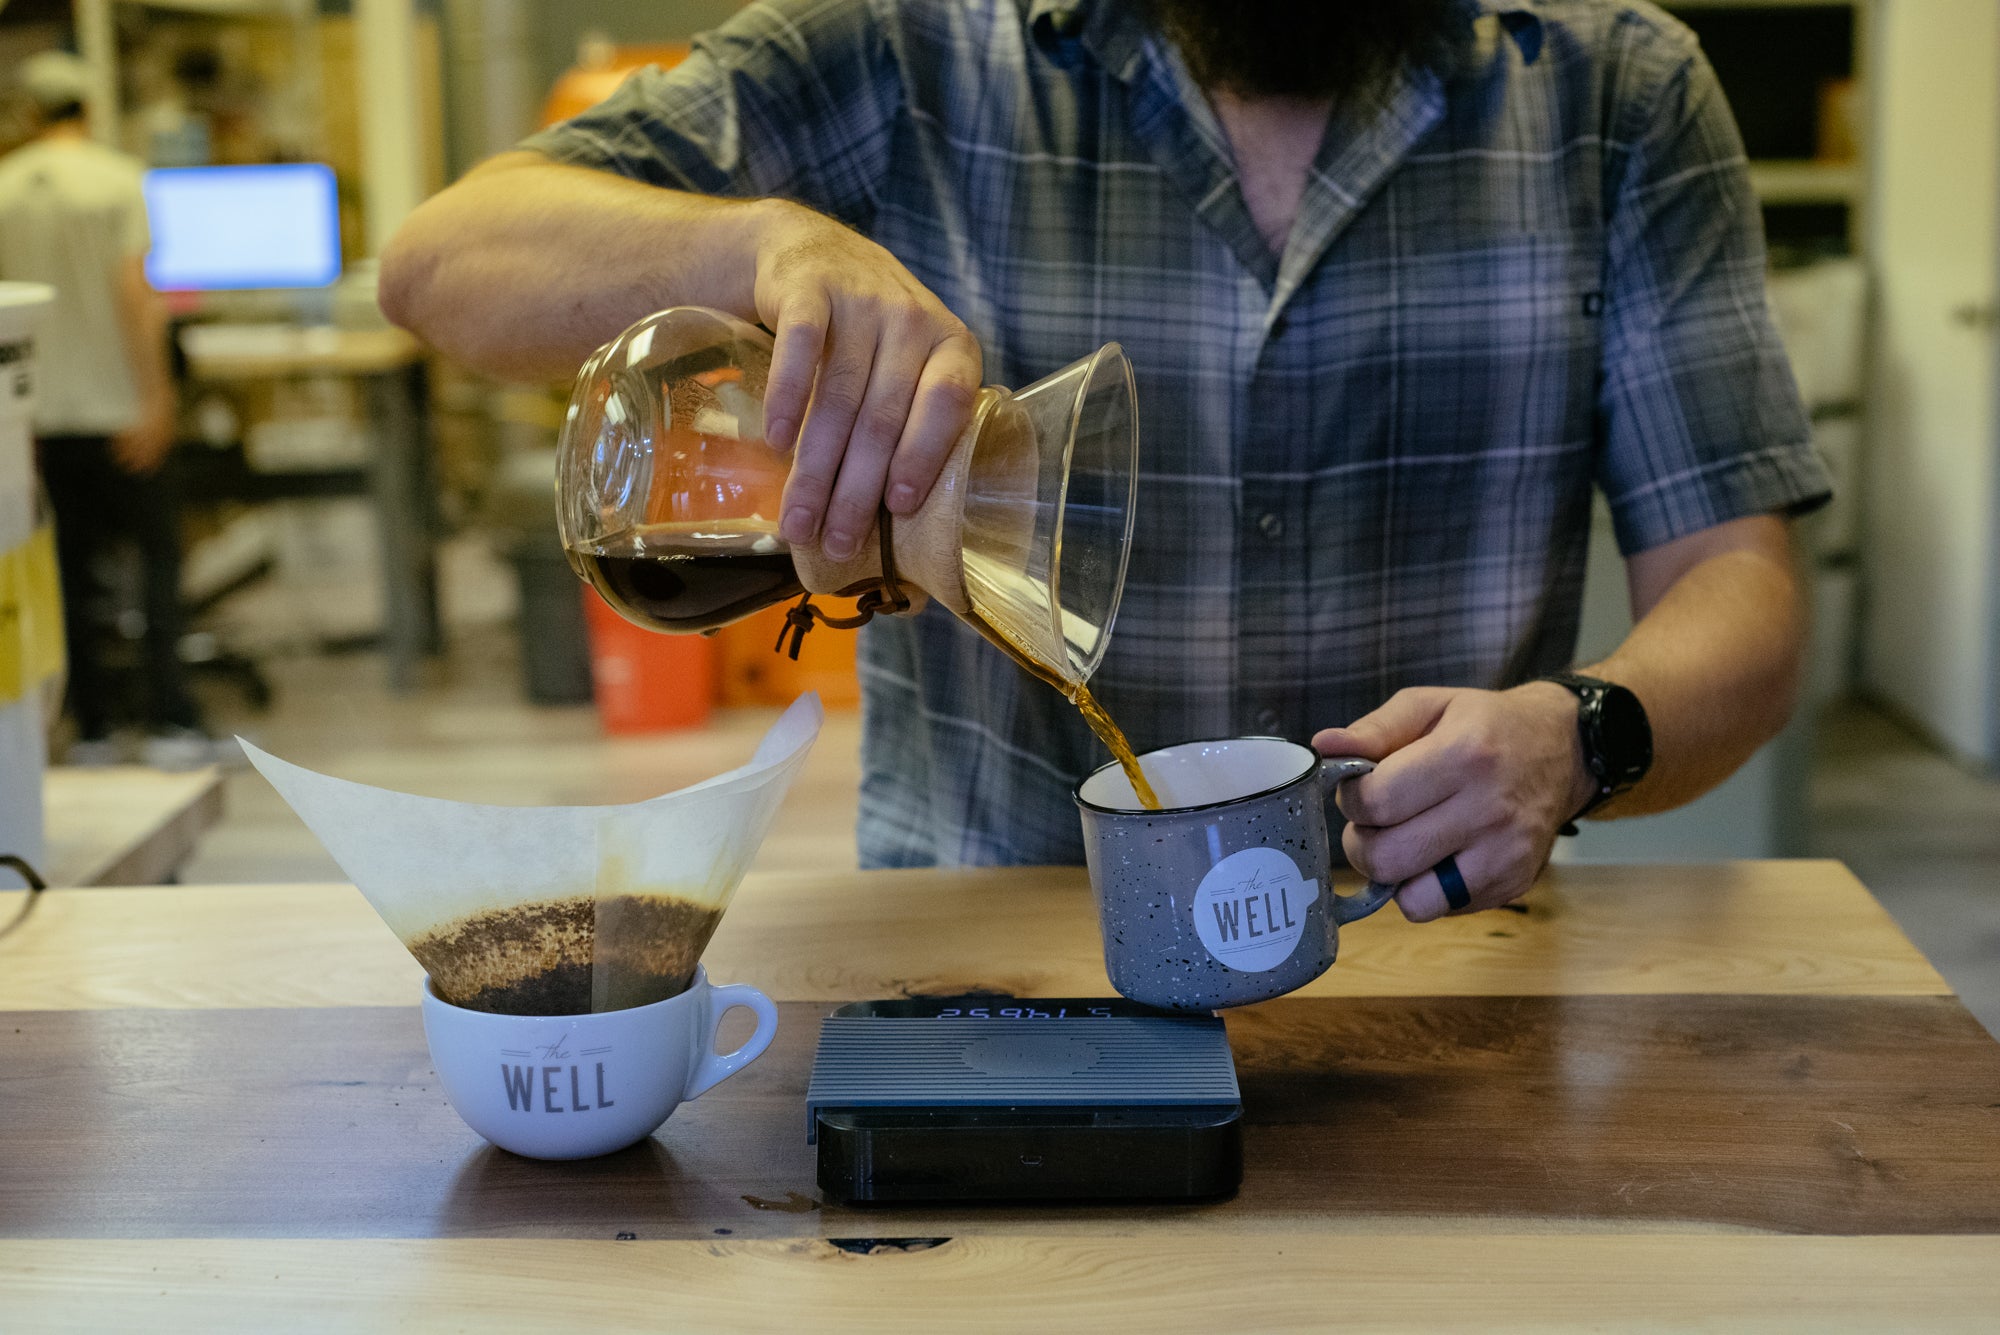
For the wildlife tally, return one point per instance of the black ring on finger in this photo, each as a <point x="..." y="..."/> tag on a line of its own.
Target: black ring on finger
<point x="1453" y="884"/>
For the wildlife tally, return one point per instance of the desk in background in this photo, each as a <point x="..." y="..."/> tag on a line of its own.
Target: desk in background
<point x="125" y="824"/>
<point x="1731" y="1096"/>
<point x="400" y="481"/>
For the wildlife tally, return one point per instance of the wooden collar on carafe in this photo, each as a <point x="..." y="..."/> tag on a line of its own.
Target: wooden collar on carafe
<point x="886" y="597"/>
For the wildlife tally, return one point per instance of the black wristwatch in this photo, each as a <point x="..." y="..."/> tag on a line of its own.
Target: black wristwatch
<point x="1617" y="739"/>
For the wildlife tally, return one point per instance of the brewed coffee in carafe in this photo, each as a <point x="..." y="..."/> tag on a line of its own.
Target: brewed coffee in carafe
<point x="668" y="500"/>
<point x="688" y="578"/>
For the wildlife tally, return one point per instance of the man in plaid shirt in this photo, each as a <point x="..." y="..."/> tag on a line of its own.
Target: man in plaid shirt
<point x="1400" y="280"/>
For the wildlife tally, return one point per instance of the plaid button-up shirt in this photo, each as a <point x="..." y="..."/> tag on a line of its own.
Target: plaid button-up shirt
<point x="1366" y="463"/>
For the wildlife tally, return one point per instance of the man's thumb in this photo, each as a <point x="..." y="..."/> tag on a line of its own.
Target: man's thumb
<point x="1404" y="717"/>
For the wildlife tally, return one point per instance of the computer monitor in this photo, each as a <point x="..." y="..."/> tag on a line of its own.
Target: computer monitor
<point x="238" y="228"/>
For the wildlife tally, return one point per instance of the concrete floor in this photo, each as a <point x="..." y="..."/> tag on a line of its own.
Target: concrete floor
<point x="1918" y="830"/>
<point x="1924" y="835"/>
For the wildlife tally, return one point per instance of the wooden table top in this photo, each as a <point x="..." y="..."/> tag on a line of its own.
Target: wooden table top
<point x="124" y="824"/>
<point x="1731" y="1095"/>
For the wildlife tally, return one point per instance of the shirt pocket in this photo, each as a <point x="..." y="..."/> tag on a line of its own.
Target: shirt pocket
<point x="1499" y="341"/>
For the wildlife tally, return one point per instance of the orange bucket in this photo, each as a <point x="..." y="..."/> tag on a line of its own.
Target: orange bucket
<point x="644" y="680"/>
<point x="753" y="674"/>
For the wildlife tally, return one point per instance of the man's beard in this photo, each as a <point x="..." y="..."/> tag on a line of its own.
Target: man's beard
<point x="1343" y="49"/>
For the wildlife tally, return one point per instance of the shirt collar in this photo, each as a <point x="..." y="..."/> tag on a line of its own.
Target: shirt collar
<point x="1518" y="21"/>
<point x="1111" y="31"/>
<point x="1116" y="36"/>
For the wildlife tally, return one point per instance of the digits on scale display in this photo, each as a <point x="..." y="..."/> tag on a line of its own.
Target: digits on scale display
<point x="1020" y="1013"/>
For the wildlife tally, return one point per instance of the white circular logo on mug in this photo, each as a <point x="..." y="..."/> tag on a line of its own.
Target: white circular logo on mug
<point x="1250" y="909"/>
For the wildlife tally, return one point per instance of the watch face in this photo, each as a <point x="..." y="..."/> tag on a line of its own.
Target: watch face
<point x="1627" y="737"/>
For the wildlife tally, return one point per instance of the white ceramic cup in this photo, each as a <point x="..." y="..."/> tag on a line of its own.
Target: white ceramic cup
<point x="575" y="1086"/>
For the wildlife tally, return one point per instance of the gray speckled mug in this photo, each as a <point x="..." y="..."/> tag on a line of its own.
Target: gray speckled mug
<point x="1225" y="896"/>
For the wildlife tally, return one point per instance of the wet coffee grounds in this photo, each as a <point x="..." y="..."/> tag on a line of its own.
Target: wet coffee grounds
<point x="545" y="958"/>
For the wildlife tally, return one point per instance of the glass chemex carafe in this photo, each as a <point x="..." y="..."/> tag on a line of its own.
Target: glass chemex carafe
<point x="668" y="499"/>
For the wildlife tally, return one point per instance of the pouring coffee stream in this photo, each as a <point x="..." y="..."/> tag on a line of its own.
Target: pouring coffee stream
<point x="668" y="499"/>
<point x="1094" y="714"/>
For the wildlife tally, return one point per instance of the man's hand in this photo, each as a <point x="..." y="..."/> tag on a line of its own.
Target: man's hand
<point x="890" y="376"/>
<point x="1487" y="777"/>
<point x="524" y="265"/>
<point x="142" y="447"/>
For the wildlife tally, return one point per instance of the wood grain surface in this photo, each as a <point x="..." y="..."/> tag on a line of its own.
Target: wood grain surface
<point x="1795" y="1114"/>
<point x="1654" y="1100"/>
<point x="125" y="824"/>
<point x="1145" y="1284"/>
<point x="1787" y="928"/>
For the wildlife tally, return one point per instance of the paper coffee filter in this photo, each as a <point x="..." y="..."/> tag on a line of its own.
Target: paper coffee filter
<point x="489" y="896"/>
<point x="647" y="944"/>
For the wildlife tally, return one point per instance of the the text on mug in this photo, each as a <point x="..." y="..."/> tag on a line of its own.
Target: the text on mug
<point x="525" y="1082"/>
<point x="1251" y="909"/>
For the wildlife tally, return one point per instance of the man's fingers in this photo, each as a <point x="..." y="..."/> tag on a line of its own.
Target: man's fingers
<point x="857" y="495"/>
<point x="1422" y="899"/>
<point x="836" y="400"/>
<point x="1497" y="869"/>
<point x="939" y="414"/>
<point x="1399" y="852"/>
<point x="798" y="344"/>
<point x="1413" y="780"/>
<point x="1404" y="717"/>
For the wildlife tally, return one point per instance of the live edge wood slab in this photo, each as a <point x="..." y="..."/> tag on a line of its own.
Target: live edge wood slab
<point x="1799" y="1114"/>
<point x="1727" y="1096"/>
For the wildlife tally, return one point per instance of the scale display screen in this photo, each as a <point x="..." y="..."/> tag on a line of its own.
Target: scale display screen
<point x="1003" y="1008"/>
<point x="1023" y="1013"/>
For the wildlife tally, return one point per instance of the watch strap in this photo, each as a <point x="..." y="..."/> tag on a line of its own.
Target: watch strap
<point x="1576" y="682"/>
<point x="1589" y="692"/>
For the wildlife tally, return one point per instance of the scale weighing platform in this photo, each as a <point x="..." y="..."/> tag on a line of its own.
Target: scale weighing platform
<point x="997" y="1099"/>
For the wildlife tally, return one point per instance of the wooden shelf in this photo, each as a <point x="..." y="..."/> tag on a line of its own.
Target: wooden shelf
<point x="1781" y="181"/>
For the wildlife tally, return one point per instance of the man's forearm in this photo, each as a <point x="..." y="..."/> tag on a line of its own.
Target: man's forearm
<point x="143" y="318"/>
<point x="525" y="266"/>
<point x="1714" y="657"/>
<point x="1487" y="777"/>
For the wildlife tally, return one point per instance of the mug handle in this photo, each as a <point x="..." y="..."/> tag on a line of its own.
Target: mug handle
<point x="1350" y="908"/>
<point x="719" y="1066"/>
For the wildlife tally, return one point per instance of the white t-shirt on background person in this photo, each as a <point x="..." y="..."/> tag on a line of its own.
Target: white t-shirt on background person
<point x="72" y="214"/>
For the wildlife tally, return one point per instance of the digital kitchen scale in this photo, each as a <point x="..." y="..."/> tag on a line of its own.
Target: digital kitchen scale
<point x="995" y="1099"/>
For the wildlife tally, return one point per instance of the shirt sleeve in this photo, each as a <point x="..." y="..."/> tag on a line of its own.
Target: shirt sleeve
<point x="789" y="98"/>
<point x="1701" y="420"/>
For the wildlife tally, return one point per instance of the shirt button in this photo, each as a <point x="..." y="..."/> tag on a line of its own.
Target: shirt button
<point x="1268" y="720"/>
<point x="1271" y="526"/>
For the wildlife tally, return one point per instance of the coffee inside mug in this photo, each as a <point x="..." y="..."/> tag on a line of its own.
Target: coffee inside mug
<point x="1202" y="774"/>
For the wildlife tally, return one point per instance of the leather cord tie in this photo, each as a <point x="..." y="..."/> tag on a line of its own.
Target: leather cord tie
<point x="886" y="597"/>
<point x="36" y="885"/>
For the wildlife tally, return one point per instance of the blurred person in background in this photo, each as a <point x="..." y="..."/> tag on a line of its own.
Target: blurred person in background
<point x="72" y="215"/>
<point x="173" y="126"/>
